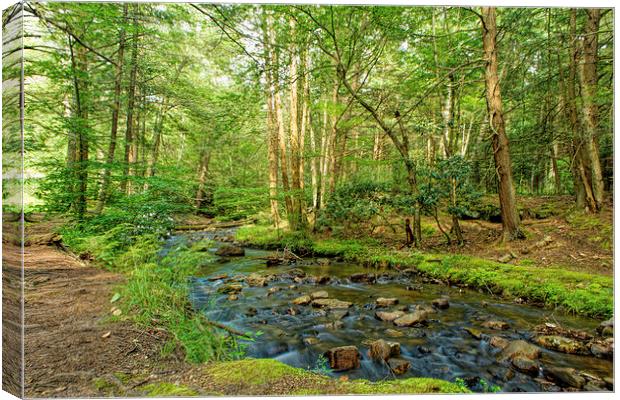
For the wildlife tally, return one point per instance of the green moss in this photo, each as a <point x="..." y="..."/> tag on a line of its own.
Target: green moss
<point x="165" y="389"/>
<point x="256" y="372"/>
<point x="577" y="292"/>
<point x="267" y="376"/>
<point x="402" y="386"/>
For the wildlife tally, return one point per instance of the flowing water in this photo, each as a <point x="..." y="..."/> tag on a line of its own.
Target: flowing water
<point x="441" y="349"/>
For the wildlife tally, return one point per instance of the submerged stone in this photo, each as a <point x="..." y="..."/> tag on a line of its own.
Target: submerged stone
<point x="441" y="303"/>
<point x="398" y="365"/>
<point x="496" y="325"/>
<point x="565" y="376"/>
<point x="417" y="317"/>
<point x="331" y="303"/>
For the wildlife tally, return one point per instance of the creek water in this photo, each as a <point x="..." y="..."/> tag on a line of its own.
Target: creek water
<point x="440" y="349"/>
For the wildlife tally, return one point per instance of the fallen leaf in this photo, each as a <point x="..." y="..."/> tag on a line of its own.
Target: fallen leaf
<point x="117" y="312"/>
<point x="106" y="335"/>
<point x="115" y="298"/>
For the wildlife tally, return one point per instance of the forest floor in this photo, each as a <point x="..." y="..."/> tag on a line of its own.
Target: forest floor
<point x="556" y="235"/>
<point x="76" y="347"/>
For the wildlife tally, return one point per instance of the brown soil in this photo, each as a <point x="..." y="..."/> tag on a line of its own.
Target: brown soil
<point x="67" y="346"/>
<point x="575" y="240"/>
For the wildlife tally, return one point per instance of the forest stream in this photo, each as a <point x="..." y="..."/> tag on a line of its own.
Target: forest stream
<point x="453" y="343"/>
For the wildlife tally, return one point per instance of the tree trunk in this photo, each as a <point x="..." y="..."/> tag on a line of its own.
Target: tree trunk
<point x="131" y="98"/>
<point x="589" y="82"/>
<point x="118" y="80"/>
<point x="295" y="218"/>
<point x="202" y="178"/>
<point x="507" y="197"/>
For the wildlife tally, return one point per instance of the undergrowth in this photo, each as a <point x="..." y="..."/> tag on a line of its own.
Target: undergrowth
<point x="156" y="290"/>
<point x="574" y="292"/>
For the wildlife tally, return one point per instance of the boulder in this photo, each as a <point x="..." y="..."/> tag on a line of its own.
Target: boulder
<point x="602" y="348"/>
<point x="518" y="348"/>
<point x="228" y="250"/>
<point x="255" y="279"/>
<point x="525" y="365"/>
<point x="496" y="325"/>
<point x="561" y="344"/>
<point x="549" y="329"/>
<point x="417" y="317"/>
<point x="606" y="328"/>
<point x="426" y="308"/>
<point x="343" y="358"/>
<point x="386" y="302"/>
<point x="499" y="342"/>
<point x="330" y="303"/>
<point x="398" y="365"/>
<point x="388" y="316"/>
<point x="302" y="300"/>
<point x="296" y="272"/>
<point x="321" y="294"/>
<point x="322" y="280"/>
<point x="380" y="350"/>
<point x="565" y="376"/>
<point x="441" y="303"/>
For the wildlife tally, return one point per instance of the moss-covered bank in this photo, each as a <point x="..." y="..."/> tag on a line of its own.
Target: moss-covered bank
<point x="576" y="292"/>
<point x="271" y="377"/>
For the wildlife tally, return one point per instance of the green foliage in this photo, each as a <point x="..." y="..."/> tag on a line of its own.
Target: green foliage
<point x="355" y="202"/>
<point x="238" y="203"/>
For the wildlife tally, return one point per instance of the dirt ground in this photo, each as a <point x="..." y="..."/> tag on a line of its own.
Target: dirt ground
<point x="565" y="237"/>
<point x="71" y="347"/>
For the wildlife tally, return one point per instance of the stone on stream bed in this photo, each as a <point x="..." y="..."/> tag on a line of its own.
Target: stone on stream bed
<point x="525" y="365"/>
<point x="499" y="342"/>
<point x="606" y="328"/>
<point x="228" y="250"/>
<point x="496" y="325"/>
<point x="561" y="344"/>
<point x="343" y="358"/>
<point x="602" y="348"/>
<point x="388" y="316"/>
<point x="519" y="348"/>
<point x="380" y="350"/>
<point x="230" y="288"/>
<point x="475" y="333"/>
<point x="398" y="365"/>
<point x="564" y="376"/>
<point x="338" y="313"/>
<point x="386" y="302"/>
<point x="363" y="278"/>
<point x="233" y="297"/>
<point x="217" y="277"/>
<point x="321" y="294"/>
<point x="417" y="317"/>
<point x="302" y="300"/>
<point x="331" y="303"/>
<point x="441" y="303"/>
<point x="255" y="279"/>
<point x="394" y="333"/>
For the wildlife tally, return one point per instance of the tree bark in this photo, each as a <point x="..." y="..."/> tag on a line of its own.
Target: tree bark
<point x="295" y="218"/>
<point x="499" y="141"/>
<point x="272" y="128"/>
<point x="118" y="80"/>
<point x="131" y="98"/>
<point x="589" y="83"/>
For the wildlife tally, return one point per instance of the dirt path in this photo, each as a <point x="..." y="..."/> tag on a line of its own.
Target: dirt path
<point x="71" y="347"/>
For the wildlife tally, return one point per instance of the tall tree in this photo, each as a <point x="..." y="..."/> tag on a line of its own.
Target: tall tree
<point x="499" y="140"/>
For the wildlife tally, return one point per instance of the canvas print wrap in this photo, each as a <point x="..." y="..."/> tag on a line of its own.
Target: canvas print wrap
<point x="296" y="199"/>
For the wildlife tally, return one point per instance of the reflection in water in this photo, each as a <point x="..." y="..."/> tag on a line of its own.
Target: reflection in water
<point x="298" y="335"/>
